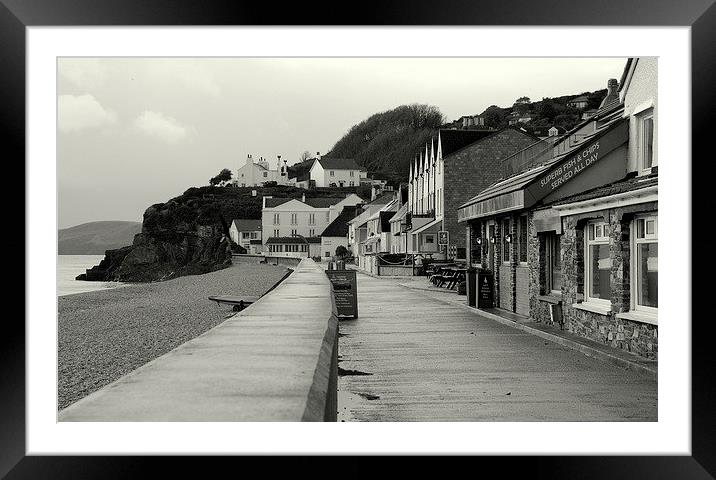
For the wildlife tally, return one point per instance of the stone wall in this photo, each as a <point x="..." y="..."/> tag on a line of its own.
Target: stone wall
<point x="636" y="337"/>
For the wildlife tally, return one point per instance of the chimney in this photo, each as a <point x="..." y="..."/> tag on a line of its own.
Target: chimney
<point x="318" y="155"/>
<point x="303" y="198"/>
<point x="249" y="159"/>
<point x="612" y="93"/>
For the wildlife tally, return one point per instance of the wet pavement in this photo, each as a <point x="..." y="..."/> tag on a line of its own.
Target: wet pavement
<point x="412" y="357"/>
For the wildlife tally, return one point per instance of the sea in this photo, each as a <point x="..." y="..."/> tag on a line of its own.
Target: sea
<point x="69" y="266"/>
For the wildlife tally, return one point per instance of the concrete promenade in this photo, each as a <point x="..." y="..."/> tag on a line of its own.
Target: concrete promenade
<point x="274" y="361"/>
<point x="412" y="357"/>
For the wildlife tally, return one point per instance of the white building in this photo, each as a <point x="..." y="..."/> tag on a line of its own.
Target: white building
<point x="289" y="218"/>
<point x="247" y="234"/>
<point x="336" y="172"/>
<point x="336" y="233"/>
<point x="256" y="173"/>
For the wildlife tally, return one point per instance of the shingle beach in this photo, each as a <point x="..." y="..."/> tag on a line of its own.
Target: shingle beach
<point x="106" y="334"/>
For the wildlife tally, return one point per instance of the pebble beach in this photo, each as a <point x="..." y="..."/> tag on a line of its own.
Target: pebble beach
<point x="105" y="334"/>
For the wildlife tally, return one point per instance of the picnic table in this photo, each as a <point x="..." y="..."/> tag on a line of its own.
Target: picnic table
<point x="448" y="275"/>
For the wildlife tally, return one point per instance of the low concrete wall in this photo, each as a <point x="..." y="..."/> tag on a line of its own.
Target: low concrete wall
<point x="272" y="259"/>
<point x="396" y="270"/>
<point x="274" y="361"/>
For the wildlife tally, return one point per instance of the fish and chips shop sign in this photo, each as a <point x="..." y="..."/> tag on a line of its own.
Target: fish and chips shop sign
<point x="574" y="165"/>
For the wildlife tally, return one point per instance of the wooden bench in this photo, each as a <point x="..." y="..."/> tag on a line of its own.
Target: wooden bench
<point x="239" y="303"/>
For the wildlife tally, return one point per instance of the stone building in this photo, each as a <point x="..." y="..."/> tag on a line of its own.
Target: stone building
<point x="572" y="238"/>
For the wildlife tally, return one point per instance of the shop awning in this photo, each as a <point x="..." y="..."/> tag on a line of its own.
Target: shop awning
<point x="430" y="227"/>
<point x="564" y="172"/>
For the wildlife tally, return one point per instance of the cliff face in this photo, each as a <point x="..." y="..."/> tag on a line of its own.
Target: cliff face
<point x="186" y="236"/>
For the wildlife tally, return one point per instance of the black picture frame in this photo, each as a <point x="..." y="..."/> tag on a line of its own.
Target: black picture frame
<point x="700" y="15"/>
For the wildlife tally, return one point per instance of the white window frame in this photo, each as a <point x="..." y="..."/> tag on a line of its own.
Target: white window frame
<point x="648" y="238"/>
<point x="277" y="219"/>
<point x="598" y="240"/>
<point x="333" y="173"/>
<point x="352" y="173"/>
<point x="294" y="232"/>
<point x="311" y="218"/>
<point x="641" y="150"/>
<point x="312" y="232"/>
<point x="294" y="219"/>
<point x="276" y="232"/>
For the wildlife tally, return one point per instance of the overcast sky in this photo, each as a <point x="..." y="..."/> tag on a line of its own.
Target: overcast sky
<point x="138" y="131"/>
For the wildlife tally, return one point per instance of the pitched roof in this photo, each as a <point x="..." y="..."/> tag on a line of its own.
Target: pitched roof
<point x="339" y="226"/>
<point x="384" y="199"/>
<point x="580" y="98"/>
<point x="247" y="224"/>
<point x="318" y="202"/>
<point x="323" y="202"/>
<point x="292" y="240"/>
<point x="339" y="163"/>
<point x="453" y="140"/>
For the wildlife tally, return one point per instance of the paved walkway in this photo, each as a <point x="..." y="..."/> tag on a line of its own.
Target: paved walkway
<point x="412" y="357"/>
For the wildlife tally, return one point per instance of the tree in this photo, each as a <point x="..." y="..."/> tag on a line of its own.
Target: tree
<point x="341" y="252"/>
<point x="305" y="156"/>
<point x="221" y="179"/>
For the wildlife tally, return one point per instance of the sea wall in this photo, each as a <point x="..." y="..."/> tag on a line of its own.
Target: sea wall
<point x="274" y="361"/>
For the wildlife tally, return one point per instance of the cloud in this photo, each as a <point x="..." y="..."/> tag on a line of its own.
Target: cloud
<point x="163" y="127"/>
<point x="81" y="112"/>
<point x="85" y="73"/>
<point x="191" y="74"/>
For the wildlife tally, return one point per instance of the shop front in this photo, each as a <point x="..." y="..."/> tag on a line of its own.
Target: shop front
<point x="573" y="243"/>
<point x="504" y="219"/>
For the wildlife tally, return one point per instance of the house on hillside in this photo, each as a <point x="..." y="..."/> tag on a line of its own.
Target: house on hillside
<point x="335" y="172"/>
<point x="247" y="234"/>
<point x="305" y="217"/>
<point x="579" y="102"/>
<point x="256" y="173"/>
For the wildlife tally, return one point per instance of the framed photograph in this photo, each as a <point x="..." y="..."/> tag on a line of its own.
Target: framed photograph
<point x="193" y="171"/>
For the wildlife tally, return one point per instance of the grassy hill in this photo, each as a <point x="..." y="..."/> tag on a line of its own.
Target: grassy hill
<point x="386" y="142"/>
<point x="94" y="238"/>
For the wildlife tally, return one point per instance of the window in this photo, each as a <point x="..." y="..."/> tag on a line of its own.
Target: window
<point x="522" y="234"/>
<point x="276" y="233"/>
<point x="333" y="174"/>
<point x="505" y="243"/>
<point x="312" y="232"/>
<point x="352" y="173"/>
<point x="294" y="232"/>
<point x="645" y="140"/>
<point x="244" y="235"/>
<point x="429" y="239"/>
<point x="553" y="264"/>
<point x="597" y="284"/>
<point x="254" y="235"/>
<point x="645" y="283"/>
<point x="265" y="174"/>
<point x="351" y="183"/>
<point x="328" y="254"/>
<point x="311" y="218"/>
<point x="276" y="219"/>
<point x="294" y="219"/>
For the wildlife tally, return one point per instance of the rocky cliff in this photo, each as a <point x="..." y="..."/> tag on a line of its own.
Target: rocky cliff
<point x="188" y="235"/>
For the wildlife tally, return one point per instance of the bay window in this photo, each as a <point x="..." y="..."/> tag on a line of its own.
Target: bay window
<point x="597" y="263"/>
